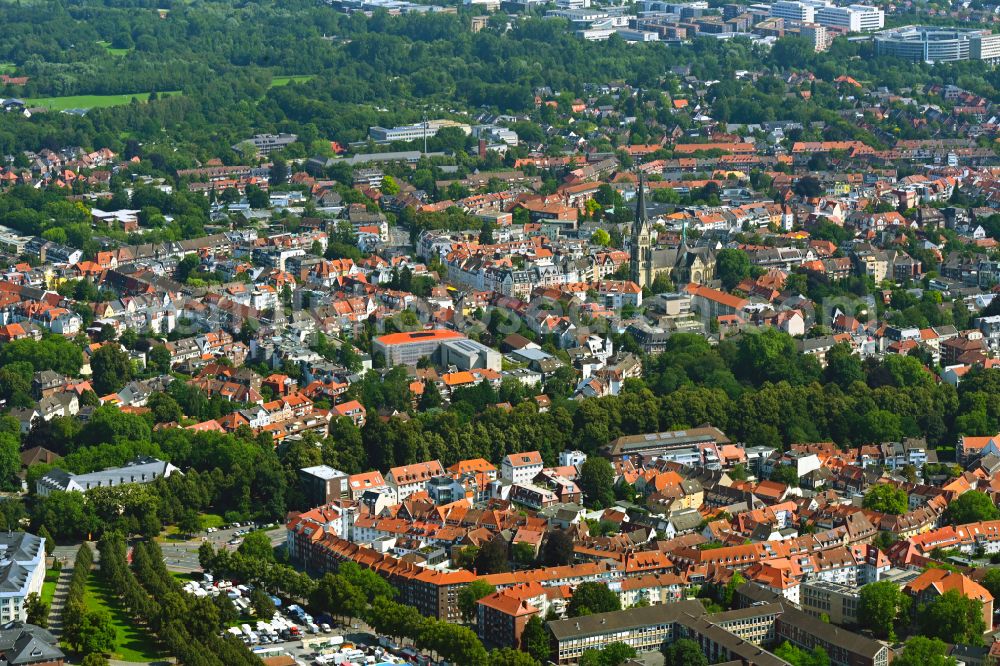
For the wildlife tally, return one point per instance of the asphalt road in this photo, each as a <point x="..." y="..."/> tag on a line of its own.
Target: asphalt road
<point x="65" y="553"/>
<point x="182" y="555"/>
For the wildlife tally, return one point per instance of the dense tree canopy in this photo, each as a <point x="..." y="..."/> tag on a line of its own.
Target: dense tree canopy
<point x="536" y="639"/>
<point x="923" y="651"/>
<point x="886" y="498"/>
<point x="596" y="480"/>
<point x="953" y="618"/>
<point x="378" y="73"/>
<point x="880" y="605"/>
<point x="799" y="657"/>
<point x="470" y="595"/>
<point x="112" y="369"/>
<point x="971" y="507"/>
<point x="613" y="654"/>
<point x="732" y="267"/>
<point x="589" y="598"/>
<point x="684" y="652"/>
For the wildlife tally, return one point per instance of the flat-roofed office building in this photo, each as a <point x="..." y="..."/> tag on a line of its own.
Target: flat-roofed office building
<point x="855" y="18"/>
<point x="469" y="355"/>
<point x="408" y="348"/>
<point x="733" y="635"/>
<point x="933" y="44"/>
<point x="838" y="602"/>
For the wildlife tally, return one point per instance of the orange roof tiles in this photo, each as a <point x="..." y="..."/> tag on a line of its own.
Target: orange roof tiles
<point x="473" y="465"/>
<point x="526" y="459"/>
<point x="728" y="147"/>
<point x="458" y="378"/>
<point x="944" y="581"/>
<point x="721" y="297"/>
<point x="440" y="334"/>
<point x="508" y="604"/>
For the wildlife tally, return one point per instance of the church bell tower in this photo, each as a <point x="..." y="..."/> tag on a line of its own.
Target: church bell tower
<point x="641" y="238"/>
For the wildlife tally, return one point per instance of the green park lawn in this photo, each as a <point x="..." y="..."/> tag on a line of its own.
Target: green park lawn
<point x="7" y="67"/>
<point x="212" y="520"/>
<point x="89" y="101"/>
<point x="207" y="520"/>
<point x="113" y="51"/>
<point x="285" y="80"/>
<point x="134" y="643"/>
<point x="49" y="586"/>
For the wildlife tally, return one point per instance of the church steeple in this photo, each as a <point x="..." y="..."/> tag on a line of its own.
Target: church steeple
<point x="640" y="204"/>
<point x="640" y="234"/>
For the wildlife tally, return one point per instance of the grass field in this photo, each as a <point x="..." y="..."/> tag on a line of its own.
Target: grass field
<point x="186" y="577"/>
<point x="49" y="586"/>
<point x="207" y="520"/>
<point x="285" y="80"/>
<point x="134" y="643"/>
<point x="212" y="520"/>
<point x="113" y="51"/>
<point x="7" y="67"/>
<point x="89" y="101"/>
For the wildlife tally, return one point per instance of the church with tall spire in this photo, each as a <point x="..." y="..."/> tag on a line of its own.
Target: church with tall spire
<point x="681" y="264"/>
<point x="641" y="236"/>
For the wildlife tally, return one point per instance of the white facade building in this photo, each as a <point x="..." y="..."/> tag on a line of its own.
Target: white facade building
<point x="22" y="569"/>
<point x="521" y="467"/>
<point x="413" y="132"/>
<point x="409" y="479"/>
<point x="572" y="458"/>
<point x="855" y="18"/>
<point x="794" y="11"/>
<point x="143" y="469"/>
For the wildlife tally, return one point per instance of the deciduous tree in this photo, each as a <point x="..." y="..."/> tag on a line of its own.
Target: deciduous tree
<point x="600" y="237"/>
<point x="511" y="657"/>
<point x="923" y="651"/>
<point x="471" y="594"/>
<point x="589" y="598"/>
<point x="597" y="480"/>
<point x="880" y="605"/>
<point x="732" y="266"/>
<point x="112" y="368"/>
<point x="38" y="610"/>
<point x="492" y="557"/>
<point x="684" y="652"/>
<point x="886" y="498"/>
<point x="536" y="639"/>
<point x="799" y="657"/>
<point x="971" y="507"/>
<point x="95" y="633"/>
<point x="953" y="618"/>
<point x="257" y="545"/>
<point x="991" y="581"/>
<point x="263" y="605"/>
<point x="558" y="549"/>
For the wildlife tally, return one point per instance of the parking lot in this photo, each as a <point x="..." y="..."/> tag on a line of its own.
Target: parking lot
<point x="181" y="555"/>
<point x="319" y="640"/>
<point x="307" y="649"/>
<point x="307" y="655"/>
